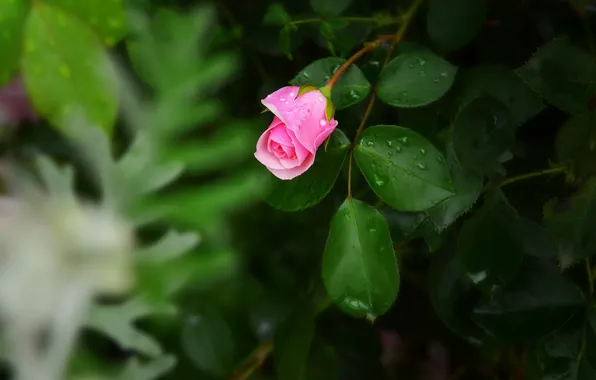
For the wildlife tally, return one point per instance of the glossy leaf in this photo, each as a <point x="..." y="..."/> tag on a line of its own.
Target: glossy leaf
<point x="360" y="270"/>
<point x="482" y="131"/>
<point x="490" y="246"/>
<point x="292" y="345"/>
<point x="405" y="170"/>
<point x="563" y="74"/>
<point x="207" y="341"/>
<point x="575" y="143"/>
<point x="452" y="24"/>
<point x="536" y="303"/>
<point x="311" y="187"/>
<point x="276" y="15"/>
<point x="453" y="295"/>
<point x="570" y="224"/>
<point x="415" y="79"/>
<point x="107" y="18"/>
<point x="467" y="186"/>
<point x="351" y="88"/>
<point x="12" y="22"/>
<point x="499" y="82"/>
<point x="67" y="73"/>
<point x="329" y="7"/>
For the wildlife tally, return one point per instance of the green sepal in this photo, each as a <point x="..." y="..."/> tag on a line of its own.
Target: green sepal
<point x="306" y="88"/>
<point x="329" y="110"/>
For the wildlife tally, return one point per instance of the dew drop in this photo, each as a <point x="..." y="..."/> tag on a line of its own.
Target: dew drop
<point x="422" y="73"/>
<point x="403" y="140"/>
<point x="379" y="181"/>
<point x="292" y="94"/>
<point x="439" y="158"/>
<point x="404" y="93"/>
<point x="436" y="80"/>
<point x="321" y="98"/>
<point x="421" y="61"/>
<point x="390" y="153"/>
<point x="326" y="79"/>
<point x="389" y="143"/>
<point x="372" y="230"/>
<point x="322" y="122"/>
<point x="353" y="94"/>
<point x="421" y="166"/>
<point x="444" y="74"/>
<point x="370" y="143"/>
<point x="335" y="69"/>
<point x="422" y="150"/>
<point x="398" y="149"/>
<point x="305" y="74"/>
<point x="412" y="65"/>
<point x="282" y="99"/>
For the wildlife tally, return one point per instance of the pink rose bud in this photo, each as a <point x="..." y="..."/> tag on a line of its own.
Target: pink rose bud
<point x="288" y="147"/>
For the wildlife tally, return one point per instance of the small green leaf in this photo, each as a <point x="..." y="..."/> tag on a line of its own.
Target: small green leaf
<point x="490" y="245"/>
<point x="66" y="70"/>
<point x="452" y="24"/>
<point x="498" y="82"/>
<point x="329" y="7"/>
<point x="570" y="224"/>
<point x="207" y="341"/>
<point x="285" y="42"/>
<point x="415" y="79"/>
<point x="482" y="131"/>
<point x="575" y="143"/>
<point x="107" y="18"/>
<point x="360" y="270"/>
<point x="453" y="295"/>
<point x="539" y="301"/>
<point x="12" y="22"/>
<point x="276" y="15"/>
<point x="563" y="74"/>
<point x="293" y="341"/>
<point x="351" y="88"/>
<point x="311" y="187"/>
<point x="405" y="170"/>
<point x="467" y="186"/>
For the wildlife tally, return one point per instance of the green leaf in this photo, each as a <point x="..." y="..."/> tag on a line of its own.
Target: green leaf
<point x="576" y="143"/>
<point x="498" y="82"/>
<point x="107" y="18"/>
<point x="563" y="74"/>
<point x="67" y="73"/>
<point x="453" y="295"/>
<point x="311" y="187"/>
<point x="570" y="224"/>
<point x="152" y="370"/>
<point x="207" y="341"/>
<point x="293" y="341"/>
<point x="329" y="7"/>
<point x="351" y="88"/>
<point x="490" y="245"/>
<point x="276" y="15"/>
<point x="285" y="42"/>
<point x="482" y="131"/>
<point x="405" y="170"/>
<point x="536" y="303"/>
<point x="467" y="186"/>
<point x="118" y="323"/>
<point x="12" y="22"/>
<point x="452" y="24"/>
<point x="566" y="354"/>
<point x="360" y="269"/>
<point x="415" y="79"/>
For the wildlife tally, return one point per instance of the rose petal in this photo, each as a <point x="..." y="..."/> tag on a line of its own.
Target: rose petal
<point x="263" y="154"/>
<point x="287" y="174"/>
<point x="281" y="103"/>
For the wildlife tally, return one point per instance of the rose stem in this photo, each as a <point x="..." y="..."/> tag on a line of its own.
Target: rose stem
<point x="396" y="38"/>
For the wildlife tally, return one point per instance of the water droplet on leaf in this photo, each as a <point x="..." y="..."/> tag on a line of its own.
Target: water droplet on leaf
<point x="439" y="158"/>
<point x="389" y="143"/>
<point x="421" y="166"/>
<point x="398" y="149"/>
<point x="422" y="150"/>
<point x="403" y="140"/>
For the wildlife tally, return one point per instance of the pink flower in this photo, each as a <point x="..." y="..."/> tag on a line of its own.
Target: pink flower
<point x="288" y="147"/>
